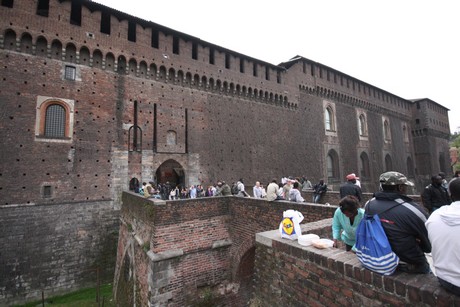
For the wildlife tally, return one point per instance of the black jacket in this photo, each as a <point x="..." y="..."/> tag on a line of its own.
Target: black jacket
<point x="435" y="196"/>
<point x="349" y="188"/>
<point x="404" y="225"/>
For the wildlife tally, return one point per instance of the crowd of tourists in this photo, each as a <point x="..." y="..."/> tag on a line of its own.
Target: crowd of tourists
<point x="288" y="188"/>
<point x="413" y="231"/>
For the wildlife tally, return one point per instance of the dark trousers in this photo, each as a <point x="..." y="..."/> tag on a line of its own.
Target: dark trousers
<point x="449" y="287"/>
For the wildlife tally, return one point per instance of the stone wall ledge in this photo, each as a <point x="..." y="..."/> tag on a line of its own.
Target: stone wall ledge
<point x="334" y="266"/>
<point x="166" y="255"/>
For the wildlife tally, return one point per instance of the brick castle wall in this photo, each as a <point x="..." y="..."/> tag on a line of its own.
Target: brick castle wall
<point x="55" y="248"/>
<point x="180" y="250"/>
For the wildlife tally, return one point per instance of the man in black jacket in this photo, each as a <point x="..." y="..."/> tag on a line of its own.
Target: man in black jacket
<point x="350" y="188"/>
<point x="435" y="195"/>
<point x="404" y="223"/>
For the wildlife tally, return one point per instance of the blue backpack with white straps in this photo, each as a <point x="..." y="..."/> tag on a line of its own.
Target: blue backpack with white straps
<point x="372" y="246"/>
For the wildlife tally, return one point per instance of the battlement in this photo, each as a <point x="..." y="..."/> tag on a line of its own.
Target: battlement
<point x="88" y="33"/>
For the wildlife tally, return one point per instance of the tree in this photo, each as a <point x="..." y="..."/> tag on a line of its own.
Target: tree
<point x="455" y="140"/>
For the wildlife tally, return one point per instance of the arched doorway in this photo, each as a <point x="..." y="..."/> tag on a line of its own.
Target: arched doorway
<point x="245" y="274"/>
<point x="171" y="171"/>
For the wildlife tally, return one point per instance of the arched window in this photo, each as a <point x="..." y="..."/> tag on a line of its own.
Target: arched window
<point x="26" y="43"/>
<point x="332" y="164"/>
<point x="442" y="163"/>
<point x="9" y="40"/>
<point x="362" y="126"/>
<point x="54" y="119"/>
<point x="388" y="163"/>
<point x="329" y="119"/>
<point x="410" y="167"/>
<point x="55" y="122"/>
<point x="71" y="53"/>
<point x="121" y="65"/>
<point x="386" y="130"/>
<point x="365" y="169"/>
<point x="405" y="134"/>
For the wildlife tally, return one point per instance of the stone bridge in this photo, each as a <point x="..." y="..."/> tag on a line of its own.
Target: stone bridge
<point x="177" y="253"/>
<point x="225" y="251"/>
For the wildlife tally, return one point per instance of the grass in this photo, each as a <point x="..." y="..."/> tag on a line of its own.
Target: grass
<point x="80" y="298"/>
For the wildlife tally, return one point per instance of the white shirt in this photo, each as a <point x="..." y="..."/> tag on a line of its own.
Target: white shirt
<point x="443" y="227"/>
<point x="257" y="191"/>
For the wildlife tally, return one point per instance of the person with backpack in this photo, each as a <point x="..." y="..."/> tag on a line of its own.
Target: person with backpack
<point x="223" y="189"/>
<point x="403" y="222"/>
<point x="239" y="190"/>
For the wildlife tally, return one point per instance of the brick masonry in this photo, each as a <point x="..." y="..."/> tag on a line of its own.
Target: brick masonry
<point x="287" y="273"/>
<point x="214" y="111"/>
<point x="178" y="251"/>
<point x="55" y="248"/>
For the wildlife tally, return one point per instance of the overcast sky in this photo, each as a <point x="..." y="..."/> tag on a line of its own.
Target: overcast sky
<point x="409" y="48"/>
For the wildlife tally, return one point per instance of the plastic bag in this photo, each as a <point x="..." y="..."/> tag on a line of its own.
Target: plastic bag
<point x="290" y="224"/>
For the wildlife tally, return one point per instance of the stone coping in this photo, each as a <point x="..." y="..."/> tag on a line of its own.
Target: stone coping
<point x="406" y="288"/>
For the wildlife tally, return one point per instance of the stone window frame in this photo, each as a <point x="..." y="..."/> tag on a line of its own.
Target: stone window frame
<point x="70" y="72"/>
<point x="364" y="166"/>
<point x="330" y="125"/>
<point x="363" y="131"/>
<point x="386" y="129"/>
<point x="332" y="165"/>
<point x="387" y="162"/>
<point x="171" y="138"/>
<point x="43" y="102"/>
<point x="47" y="190"/>
<point x="405" y="131"/>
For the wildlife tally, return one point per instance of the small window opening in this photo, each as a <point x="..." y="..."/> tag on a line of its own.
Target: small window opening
<point x="211" y="56"/>
<point x="267" y="73"/>
<point x="254" y="70"/>
<point x="176" y="45"/>
<point x="132" y="31"/>
<point x="70" y="73"/>
<point x="241" y="65"/>
<point x="43" y="7"/>
<point x="7" y="3"/>
<point x="227" y="61"/>
<point x="155" y="38"/>
<point x="75" y="13"/>
<point x="194" y="51"/>
<point x="47" y="192"/>
<point x="105" y="23"/>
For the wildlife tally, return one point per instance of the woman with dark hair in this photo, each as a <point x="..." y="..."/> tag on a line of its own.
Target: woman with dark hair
<point x="346" y="220"/>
